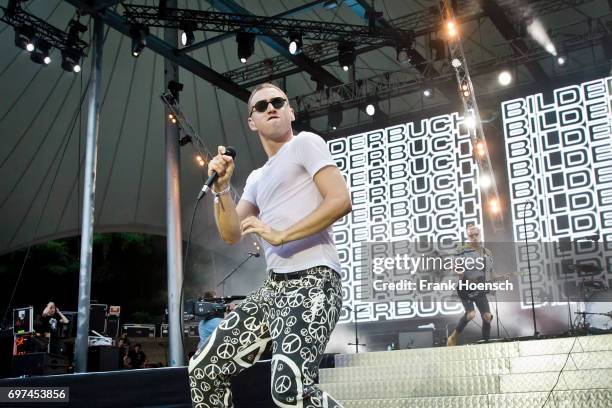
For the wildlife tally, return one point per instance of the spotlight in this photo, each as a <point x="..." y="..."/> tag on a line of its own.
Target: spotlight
<point x="469" y="121"/>
<point x="370" y="109"/>
<point x="550" y="48"/>
<point x="187" y="37"/>
<point x="295" y="43"/>
<point x="139" y="39"/>
<point x="24" y="38"/>
<point x="451" y="28"/>
<point x="561" y="60"/>
<point x="71" y="58"/>
<point x="334" y="116"/>
<point x="485" y="180"/>
<point x="494" y="206"/>
<point x="456" y="62"/>
<point x="428" y="92"/>
<point x="41" y="54"/>
<point x="504" y="78"/>
<point x="480" y="149"/>
<point x="346" y="55"/>
<point x="246" y="46"/>
<point x="465" y="89"/>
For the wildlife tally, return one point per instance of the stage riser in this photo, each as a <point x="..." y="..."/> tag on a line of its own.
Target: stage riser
<point x="496" y="366"/>
<point x="476" y="352"/>
<point x="511" y="383"/>
<point x="558" y="399"/>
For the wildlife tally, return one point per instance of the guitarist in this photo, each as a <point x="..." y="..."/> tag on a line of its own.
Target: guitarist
<point x="474" y="249"/>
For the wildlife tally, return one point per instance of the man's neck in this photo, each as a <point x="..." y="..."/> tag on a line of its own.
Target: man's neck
<point x="272" y="147"/>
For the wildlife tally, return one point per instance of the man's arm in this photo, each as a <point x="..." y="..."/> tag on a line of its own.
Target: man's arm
<point x="228" y="217"/>
<point x="64" y="319"/>
<point x="336" y="203"/>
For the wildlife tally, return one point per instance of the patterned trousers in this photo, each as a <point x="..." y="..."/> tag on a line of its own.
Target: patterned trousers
<point x="297" y="316"/>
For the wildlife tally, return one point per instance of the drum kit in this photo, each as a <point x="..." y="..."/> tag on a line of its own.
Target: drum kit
<point x="595" y="305"/>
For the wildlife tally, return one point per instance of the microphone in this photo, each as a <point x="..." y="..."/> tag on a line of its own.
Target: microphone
<point x="229" y="151"/>
<point x="255" y="254"/>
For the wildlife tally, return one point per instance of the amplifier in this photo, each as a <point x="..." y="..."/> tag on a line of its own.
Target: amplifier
<point x="39" y="364"/>
<point x="138" y="330"/>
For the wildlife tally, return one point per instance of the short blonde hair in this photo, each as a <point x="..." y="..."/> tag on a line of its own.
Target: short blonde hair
<point x="259" y="88"/>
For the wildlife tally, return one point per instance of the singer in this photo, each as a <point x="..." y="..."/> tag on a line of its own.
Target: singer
<point x="290" y="203"/>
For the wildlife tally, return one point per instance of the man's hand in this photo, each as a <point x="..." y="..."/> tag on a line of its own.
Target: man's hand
<point x="224" y="166"/>
<point x="256" y="226"/>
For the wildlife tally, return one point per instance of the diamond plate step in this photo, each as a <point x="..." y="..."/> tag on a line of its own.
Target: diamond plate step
<point x="477" y="352"/>
<point x="558" y="399"/>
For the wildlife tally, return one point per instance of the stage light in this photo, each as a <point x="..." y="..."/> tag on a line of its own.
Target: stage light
<point x="24" y="38"/>
<point x="494" y="206"/>
<point x="456" y="62"/>
<point x="173" y="120"/>
<point x="346" y="55"/>
<point x="139" y="39"/>
<point x="170" y="116"/>
<point x="451" y="28"/>
<point x="561" y="60"/>
<point x="504" y="78"/>
<point x="295" y="43"/>
<point x="480" y="149"/>
<point x="187" y="37"/>
<point x="465" y="89"/>
<point x="246" y="46"/>
<point x="71" y="58"/>
<point x="370" y="109"/>
<point x="485" y="181"/>
<point x="469" y="121"/>
<point x="334" y="116"/>
<point x="41" y="54"/>
<point x="428" y="92"/>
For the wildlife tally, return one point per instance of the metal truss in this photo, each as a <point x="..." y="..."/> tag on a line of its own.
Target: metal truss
<point x="57" y="38"/>
<point x="573" y="37"/>
<point x="422" y="22"/>
<point x="274" y="26"/>
<point x="471" y="118"/>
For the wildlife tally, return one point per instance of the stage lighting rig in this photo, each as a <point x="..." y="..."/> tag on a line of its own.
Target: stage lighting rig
<point x="39" y="37"/>
<point x="188" y="36"/>
<point x="40" y="55"/>
<point x="246" y="46"/>
<point x="139" y="34"/>
<point x="346" y="55"/>
<point x="295" y="43"/>
<point x="334" y="116"/>
<point x="24" y="38"/>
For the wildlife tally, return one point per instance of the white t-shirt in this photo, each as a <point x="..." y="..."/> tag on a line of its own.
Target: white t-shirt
<point x="284" y="191"/>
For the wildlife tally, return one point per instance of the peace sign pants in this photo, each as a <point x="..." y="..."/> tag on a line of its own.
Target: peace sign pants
<point x="297" y="316"/>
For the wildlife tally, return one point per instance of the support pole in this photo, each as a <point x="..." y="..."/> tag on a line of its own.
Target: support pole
<point x="174" y="235"/>
<point x="89" y="195"/>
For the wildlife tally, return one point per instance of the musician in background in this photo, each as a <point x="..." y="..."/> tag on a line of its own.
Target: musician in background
<point x="209" y="323"/>
<point x="50" y="320"/>
<point x="482" y="257"/>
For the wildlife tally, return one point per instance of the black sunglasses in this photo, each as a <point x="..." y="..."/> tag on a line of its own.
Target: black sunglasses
<point x="262" y="106"/>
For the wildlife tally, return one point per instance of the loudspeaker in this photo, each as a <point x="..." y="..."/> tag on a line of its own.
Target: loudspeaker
<point x="103" y="358"/>
<point x="97" y="318"/>
<point x="39" y="364"/>
<point x="112" y="326"/>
